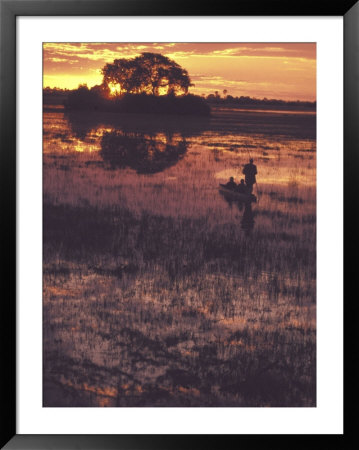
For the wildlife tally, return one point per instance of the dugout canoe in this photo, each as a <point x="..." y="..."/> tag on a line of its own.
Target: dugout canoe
<point x="234" y="195"/>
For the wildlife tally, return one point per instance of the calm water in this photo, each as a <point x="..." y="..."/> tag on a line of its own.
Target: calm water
<point x="159" y="290"/>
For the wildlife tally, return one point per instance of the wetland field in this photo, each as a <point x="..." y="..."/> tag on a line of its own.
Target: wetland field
<point x="160" y="291"/>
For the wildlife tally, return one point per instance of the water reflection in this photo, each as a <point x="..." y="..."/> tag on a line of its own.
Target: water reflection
<point x="83" y="124"/>
<point x="143" y="153"/>
<point x="153" y="294"/>
<point x="247" y="221"/>
<point x="222" y="121"/>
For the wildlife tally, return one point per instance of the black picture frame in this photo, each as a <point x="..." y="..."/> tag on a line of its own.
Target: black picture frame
<point x="9" y="10"/>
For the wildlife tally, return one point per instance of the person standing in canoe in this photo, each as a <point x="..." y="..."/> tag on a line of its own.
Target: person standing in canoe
<point x="250" y="172"/>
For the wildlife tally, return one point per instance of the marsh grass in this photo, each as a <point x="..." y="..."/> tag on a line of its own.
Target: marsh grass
<point x="154" y="292"/>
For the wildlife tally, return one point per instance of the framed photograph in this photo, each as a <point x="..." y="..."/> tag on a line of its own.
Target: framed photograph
<point x="174" y="187"/>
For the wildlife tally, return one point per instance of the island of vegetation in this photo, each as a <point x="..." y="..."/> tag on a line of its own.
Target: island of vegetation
<point x="153" y="83"/>
<point x="149" y="83"/>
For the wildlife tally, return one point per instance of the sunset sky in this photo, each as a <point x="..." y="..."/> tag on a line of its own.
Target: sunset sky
<point x="274" y="70"/>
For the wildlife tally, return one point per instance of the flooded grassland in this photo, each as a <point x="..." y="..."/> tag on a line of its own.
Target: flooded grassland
<point x="160" y="291"/>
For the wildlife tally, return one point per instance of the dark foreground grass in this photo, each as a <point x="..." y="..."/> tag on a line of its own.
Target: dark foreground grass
<point x="146" y="310"/>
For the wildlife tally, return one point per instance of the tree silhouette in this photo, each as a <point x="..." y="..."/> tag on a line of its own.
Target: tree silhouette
<point x="150" y="73"/>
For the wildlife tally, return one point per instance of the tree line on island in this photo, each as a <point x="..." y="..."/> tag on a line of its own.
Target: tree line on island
<point x="152" y="83"/>
<point x="149" y="83"/>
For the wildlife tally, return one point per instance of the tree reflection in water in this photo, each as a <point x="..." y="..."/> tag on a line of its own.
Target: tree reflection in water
<point x="147" y="144"/>
<point x="145" y="154"/>
<point x="82" y="125"/>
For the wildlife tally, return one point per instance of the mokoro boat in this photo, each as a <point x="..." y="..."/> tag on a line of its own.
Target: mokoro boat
<point x="234" y="195"/>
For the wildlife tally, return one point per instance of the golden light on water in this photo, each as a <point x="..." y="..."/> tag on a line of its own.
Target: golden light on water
<point x="286" y="178"/>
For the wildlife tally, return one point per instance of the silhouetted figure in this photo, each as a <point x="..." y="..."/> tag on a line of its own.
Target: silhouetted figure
<point x="250" y="172"/>
<point x="231" y="184"/>
<point x="242" y="188"/>
<point x="248" y="218"/>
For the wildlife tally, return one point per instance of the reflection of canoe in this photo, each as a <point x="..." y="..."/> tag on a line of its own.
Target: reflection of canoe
<point x="233" y="195"/>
